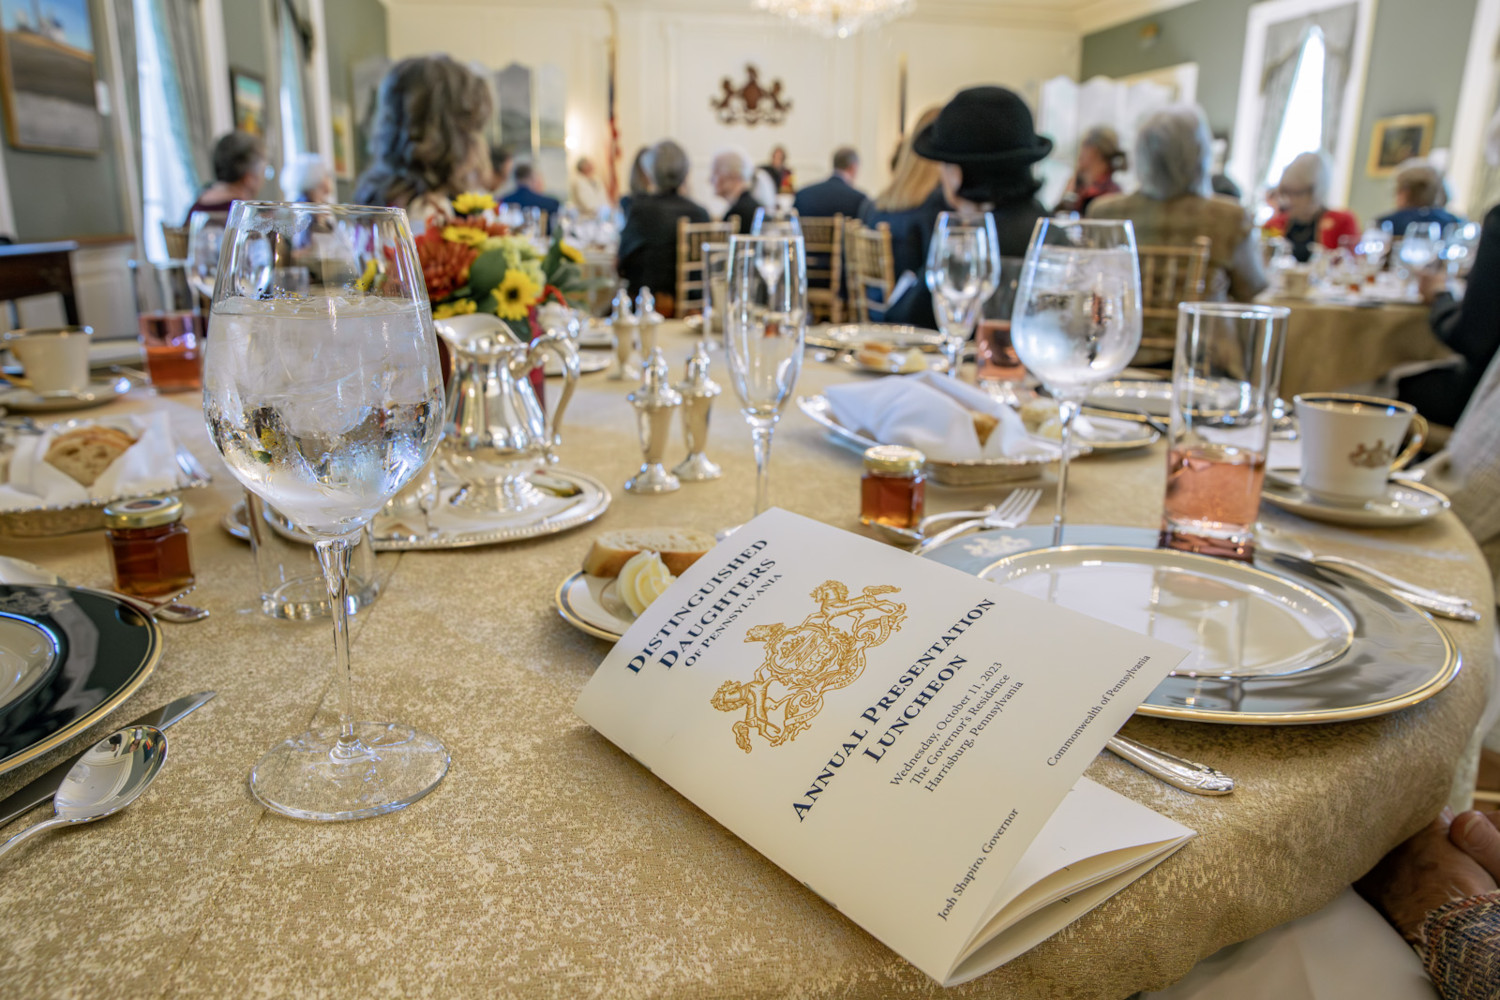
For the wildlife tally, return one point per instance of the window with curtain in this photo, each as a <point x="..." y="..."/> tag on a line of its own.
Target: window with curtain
<point x="1301" y="127"/>
<point x="170" y="175"/>
<point x="296" y="131"/>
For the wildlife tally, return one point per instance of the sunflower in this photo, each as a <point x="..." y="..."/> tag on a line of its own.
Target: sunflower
<point x="461" y="307"/>
<point x="516" y="294"/>
<point x="367" y="279"/>
<point x="472" y="203"/>
<point x="468" y="235"/>
<point x="570" y="252"/>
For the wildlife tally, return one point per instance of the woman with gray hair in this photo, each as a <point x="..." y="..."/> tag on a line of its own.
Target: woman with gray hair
<point x="1175" y="204"/>
<point x="648" y="244"/>
<point x="428" y="143"/>
<point x="1305" y="218"/>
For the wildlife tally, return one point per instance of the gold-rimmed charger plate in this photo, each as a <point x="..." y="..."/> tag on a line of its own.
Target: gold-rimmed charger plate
<point x="1399" y="656"/>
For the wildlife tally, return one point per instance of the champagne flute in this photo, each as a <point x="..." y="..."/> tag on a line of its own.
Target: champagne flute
<point x="773" y="222"/>
<point x="324" y="402"/>
<point x="1077" y="318"/>
<point x="963" y="270"/>
<point x="765" y="323"/>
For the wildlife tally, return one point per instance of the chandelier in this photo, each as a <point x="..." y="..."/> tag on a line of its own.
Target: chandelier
<point x="837" y="18"/>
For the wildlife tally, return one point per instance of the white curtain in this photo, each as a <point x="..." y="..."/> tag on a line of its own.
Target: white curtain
<point x="1284" y="43"/>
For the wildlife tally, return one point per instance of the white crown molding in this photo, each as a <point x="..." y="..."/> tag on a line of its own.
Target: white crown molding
<point x="1101" y="14"/>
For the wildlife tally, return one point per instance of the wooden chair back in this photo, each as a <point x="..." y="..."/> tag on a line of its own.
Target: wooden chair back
<point x="872" y="268"/>
<point x="177" y="241"/>
<point x="690" y="239"/>
<point x="1169" y="276"/>
<point x="824" y="239"/>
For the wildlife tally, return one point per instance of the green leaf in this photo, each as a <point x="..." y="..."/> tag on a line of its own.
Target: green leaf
<point x="487" y="271"/>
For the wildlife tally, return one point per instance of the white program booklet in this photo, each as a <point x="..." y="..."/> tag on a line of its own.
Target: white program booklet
<point x="905" y="739"/>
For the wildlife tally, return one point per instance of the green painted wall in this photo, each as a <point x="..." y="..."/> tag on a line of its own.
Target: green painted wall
<point x="245" y="41"/>
<point x="57" y="196"/>
<point x="357" y="30"/>
<point x="1416" y="65"/>
<point x="1210" y="33"/>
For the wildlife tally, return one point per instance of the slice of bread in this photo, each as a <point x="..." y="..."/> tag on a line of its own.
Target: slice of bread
<point x="84" y="453"/>
<point x="679" y="548"/>
<point x="984" y="426"/>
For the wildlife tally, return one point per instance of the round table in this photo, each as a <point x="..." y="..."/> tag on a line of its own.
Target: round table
<point x="1331" y="345"/>
<point x="548" y="863"/>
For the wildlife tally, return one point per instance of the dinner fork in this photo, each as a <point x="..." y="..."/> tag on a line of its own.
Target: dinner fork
<point x="1012" y="513"/>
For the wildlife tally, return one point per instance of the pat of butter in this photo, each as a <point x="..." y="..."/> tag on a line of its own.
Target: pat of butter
<point x="643" y="579"/>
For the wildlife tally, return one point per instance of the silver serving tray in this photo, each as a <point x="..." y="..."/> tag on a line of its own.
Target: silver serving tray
<point x="983" y="472"/>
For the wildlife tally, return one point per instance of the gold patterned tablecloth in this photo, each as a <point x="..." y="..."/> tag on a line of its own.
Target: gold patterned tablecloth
<point x="1331" y="346"/>
<point x="549" y="864"/>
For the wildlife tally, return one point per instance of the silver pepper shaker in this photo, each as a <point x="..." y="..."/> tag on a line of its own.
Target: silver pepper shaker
<point x="654" y="402"/>
<point x="698" y="390"/>
<point x="650" y="321"/>
<point x="623" y="325"/>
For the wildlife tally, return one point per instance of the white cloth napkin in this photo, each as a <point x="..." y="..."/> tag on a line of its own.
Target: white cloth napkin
<point x="148" y="466"/>
<point x="930" y="412"/>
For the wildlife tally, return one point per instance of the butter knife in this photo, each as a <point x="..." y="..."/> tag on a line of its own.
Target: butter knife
<point x="1190" y="776"/>
<point x="42" y="788"/>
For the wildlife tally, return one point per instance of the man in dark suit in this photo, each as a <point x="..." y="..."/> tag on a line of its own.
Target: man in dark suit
<point x="837" y="195"/>
<point x="730" y="176"/>
<point x="648" y="244"/>
<point x="528" y="193"/>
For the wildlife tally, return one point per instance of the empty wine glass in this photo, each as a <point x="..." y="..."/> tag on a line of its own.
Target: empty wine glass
<point x="765" y="323"/>
<point x="1077" y="318"/>
<point x="1371" y="249"/>
<point x="324" y="403"/>
<point x="963" y="269"/>
<point x="205" y="233"/>
<point x="1419" y="247"/>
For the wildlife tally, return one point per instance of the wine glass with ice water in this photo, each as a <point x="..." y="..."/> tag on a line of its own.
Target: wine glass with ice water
<point x="324" y="400"/>
<point x="765" y="323"/>
<point x="963" y="270"/>
<point x="1077" y="318"/>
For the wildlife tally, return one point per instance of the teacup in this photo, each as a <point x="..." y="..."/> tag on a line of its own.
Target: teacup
<point x="1350" y="444"/>
<point x="54" y="360"/>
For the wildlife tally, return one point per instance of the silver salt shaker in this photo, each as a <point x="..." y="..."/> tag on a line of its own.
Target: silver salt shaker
<point x="698" y="390"/>
<point x="650" y="321"/>
<point x="655" y="403"/>
<point x="622" y="323"/>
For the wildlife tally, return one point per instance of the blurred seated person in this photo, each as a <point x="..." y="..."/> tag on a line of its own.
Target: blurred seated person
<point x="1099" y="158"/>
<point x="1470" y="326"/>
<point x="1304" y="218"/>
<point x="648" y="244"/>
<point x="1175" y="204"/>
<point x="528" y="193"/>
<point x="1419" y="189"/>
<point x="778" y="171"/>
<point x="640" y="180"/>
<point x="985" y="143"/>
<point x="311" y="180"/>
<point x="428" y="138"/>
<point x="586" y="193"/>
<point x="910" y="203"/>
<point x="730" y="175"/>
<point x="498" y="177"/>
<point x="837" y="195"/>
<point x="239" y="169"/>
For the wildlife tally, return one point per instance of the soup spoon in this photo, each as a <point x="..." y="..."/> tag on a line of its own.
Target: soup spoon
<point x="108" y="777"/>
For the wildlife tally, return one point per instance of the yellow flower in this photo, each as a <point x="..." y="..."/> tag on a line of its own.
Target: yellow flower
<point x="367" y="279"/>
<point x="472" y="203"/>
<point x="570" y="252"/>
<point x="468" y="235"/>
<point x="515" y="295"/>
<point x="462" y="307"/>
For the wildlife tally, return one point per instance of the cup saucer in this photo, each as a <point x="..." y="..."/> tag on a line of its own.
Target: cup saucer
<point x="1402" y="503"/>
<point x="99" y="392"/>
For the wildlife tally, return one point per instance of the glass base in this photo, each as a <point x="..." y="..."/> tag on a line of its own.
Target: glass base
<point x="306" y="598"/>
<point x="312" y="777"/>
<point x="1213" y="539"/>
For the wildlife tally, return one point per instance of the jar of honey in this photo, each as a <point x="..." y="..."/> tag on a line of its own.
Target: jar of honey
<point x="148" y="547"/>
<point x="894" y="489"/>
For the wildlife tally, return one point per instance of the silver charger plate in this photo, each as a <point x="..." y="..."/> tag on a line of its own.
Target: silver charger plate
<point x="848" y="336"/>
<point x="590" y="604"/>
<point x="588" y="363"/>
<point x="99" y="392"/>
<point x="1404" y="503"/>
<point x="454" y="528"/>
<point x="983" y="472"/>
<point x="1398" y="656"/>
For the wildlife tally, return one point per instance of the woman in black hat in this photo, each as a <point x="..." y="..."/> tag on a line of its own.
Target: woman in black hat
<point x="985" y="143"/>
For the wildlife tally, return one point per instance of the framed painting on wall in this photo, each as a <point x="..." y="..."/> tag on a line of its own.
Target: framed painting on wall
<point x="1397" y="139"/>
<point x="249" y="92"/>
<point x="343" y="140"/>
<point x="47" y="82"/>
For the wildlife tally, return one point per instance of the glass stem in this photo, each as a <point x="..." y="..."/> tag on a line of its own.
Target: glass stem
<point x="1067" y="409"/>
<point x="333" y="556"/>
<point x="760" y="434"/>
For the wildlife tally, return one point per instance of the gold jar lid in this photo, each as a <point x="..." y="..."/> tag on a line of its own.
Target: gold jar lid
<point x="893" y="458"/>
<point x="147" y="512"/>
